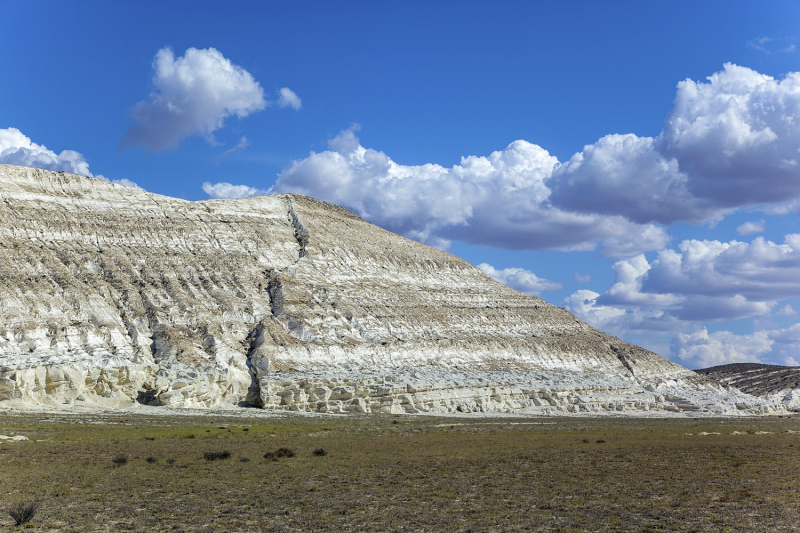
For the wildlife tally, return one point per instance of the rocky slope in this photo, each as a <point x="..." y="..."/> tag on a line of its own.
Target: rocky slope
<point x="781" y="383"/>
<point x="110" y="295"/>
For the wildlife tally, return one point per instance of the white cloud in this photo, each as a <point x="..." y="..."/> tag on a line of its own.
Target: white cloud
<point x="499" y="200"/>
<point x="583" y="304"/>
<point x="625" y="175"/>
<point x="704" y="280"/>
<point x="749" y="228"/>
<point x="17" y="149"/>
<point x="760" y="271"/>
<point x="346" y="142"/>
<point x="737" y="136"/>
<point x="702" y="350"/>
<point x="241" y="145"/>
<point x="729" y="143"/>
<point x="194" y="95"/>
<point x="646" y="238"/>
<point x="790" y="335"/>
<point x="520" y="279"/>
<point x="225" y="190"/>
<point x="769" y="45"/>
<point x="287" y="98"/>
<point x="124" y="181"/>
<point x="583" y="279"/>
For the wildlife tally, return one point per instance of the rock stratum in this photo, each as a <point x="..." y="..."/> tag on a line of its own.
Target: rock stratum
<point x="111" y="296"/>
<point x="779" y="383"/>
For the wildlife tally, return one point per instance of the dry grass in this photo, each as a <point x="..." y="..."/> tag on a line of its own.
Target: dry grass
<point x="403" y="474"/>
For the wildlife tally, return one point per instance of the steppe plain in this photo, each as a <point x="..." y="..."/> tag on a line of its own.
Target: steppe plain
<point x="399" y="472"/>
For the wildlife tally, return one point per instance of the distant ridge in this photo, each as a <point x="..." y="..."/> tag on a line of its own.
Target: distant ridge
<point x="756" y="378"/>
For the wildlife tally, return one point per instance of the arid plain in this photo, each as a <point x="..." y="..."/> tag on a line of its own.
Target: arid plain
<point x="401" y="473"/>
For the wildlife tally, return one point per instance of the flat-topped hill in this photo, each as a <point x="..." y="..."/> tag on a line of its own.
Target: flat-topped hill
<point x="111" y="295"/>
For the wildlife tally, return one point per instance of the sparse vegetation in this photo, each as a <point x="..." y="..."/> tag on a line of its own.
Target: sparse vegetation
<point x="279" y="453"/>
<point x="489" y="474"/>
<point x="22" y="513"/>
<point x="215" y="456"/>
<point x="152" y="459"/>
<point x="319" y="452"/>
<point x="119" y="460"/>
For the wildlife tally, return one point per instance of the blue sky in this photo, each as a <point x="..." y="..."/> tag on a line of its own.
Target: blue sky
<point x="633" y="162"/>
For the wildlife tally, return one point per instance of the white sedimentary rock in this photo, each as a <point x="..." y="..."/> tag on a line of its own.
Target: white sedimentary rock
<point x="15" y="438"/>
<point x="110" y="295"/>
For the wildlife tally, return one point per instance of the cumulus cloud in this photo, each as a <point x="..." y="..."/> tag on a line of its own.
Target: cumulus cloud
<point x="18" y="149"/>
<point x="287" y="98"/>
<point x="790" y="335"/>
<point x="751" y="227"/>
<point x="625" y="175"/>
<point x="498" y="200"/>
<point x="520" y="279"/>
<point x="224" y="190"/>
<point x="737" y="136"/>
<point x="703" y="280"/>
<point x="583" y="304"/>
<point x="702" y="350"/>
<point x="194" y="94"/>
<point x="761" y="271"/>
<point x="728" y="143"/>
<point x="636" y="314"/>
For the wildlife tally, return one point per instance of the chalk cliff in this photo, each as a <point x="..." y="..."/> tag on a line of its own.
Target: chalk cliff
<point x="111" y="295"/>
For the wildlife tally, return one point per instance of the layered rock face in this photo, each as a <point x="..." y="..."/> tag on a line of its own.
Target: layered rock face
<point x="780" y="383"/>
<point x="110" y="295"/>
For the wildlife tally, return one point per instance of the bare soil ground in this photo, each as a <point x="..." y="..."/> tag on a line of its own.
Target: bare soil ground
<point x="393" y="473"/>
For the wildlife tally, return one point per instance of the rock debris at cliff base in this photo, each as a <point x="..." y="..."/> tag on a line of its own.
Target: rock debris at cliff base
<point x="111" y="296"/>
